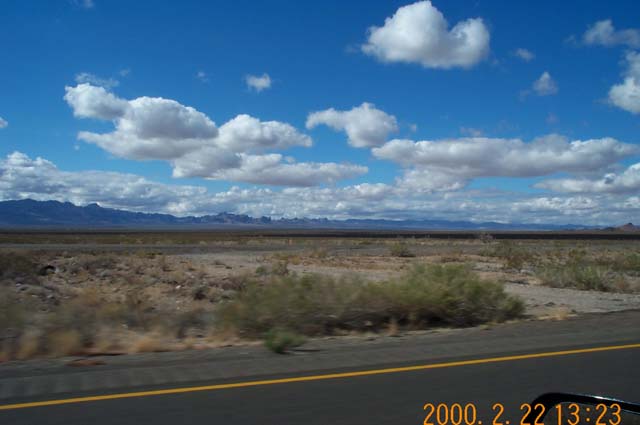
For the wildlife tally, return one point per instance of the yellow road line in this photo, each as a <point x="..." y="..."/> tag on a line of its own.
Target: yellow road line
<point x="313" y="377"/>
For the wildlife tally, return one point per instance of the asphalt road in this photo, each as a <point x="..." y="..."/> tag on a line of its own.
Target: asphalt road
<point x="387" y="398"/>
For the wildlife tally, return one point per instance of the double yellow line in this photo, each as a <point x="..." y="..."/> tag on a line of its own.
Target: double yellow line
<point x="313" y="377"/>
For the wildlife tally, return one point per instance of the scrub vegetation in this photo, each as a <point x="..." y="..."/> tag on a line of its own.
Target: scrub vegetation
<point x="322" y="305"/>
<point x="80" y="301"/>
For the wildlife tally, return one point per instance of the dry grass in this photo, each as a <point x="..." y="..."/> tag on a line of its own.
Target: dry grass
<point x="149" y="343"/>
<point x="393" y="328"/>
<point x="560" y="313"/>
<point x="64" y="342"/>
<point x="91" y="318"/>
<point x="29" y="345"/>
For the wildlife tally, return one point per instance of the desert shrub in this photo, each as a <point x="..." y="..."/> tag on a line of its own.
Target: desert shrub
<point x="319" y="253"/>
<point x="400" y="249"/>
<point x="15" y="317"/>
<point x="149" y="343"/>
<point x="628" y="262"/>
<point x="450" y="294"/>
<point x="364" y="242"/>
<point x="575" y="275"/>
<point x="64" y="331"/>
<point x="145" y="255"/>
<point x="29" y="344"/>
<point x="91" y="263"/>
<point x="280" y="268"/>
<point x="262" y="271"/>
<point x="581" y="272"/>
<point x="281" y="340"/>
<point x="316" y="304"/>
<point x="199" y="293"/>
<point x="64" y="342"/>
<point x="88" y="312"/>
<point x="13" y="314"/>
<point x="514" y="255"/>
<point x="13" y="264"/>
<point x="163" y="263"/>
<point x="80" y="315"/>
<point x="181" y="322"/>
<point x="137" y="312"/>
<point x="579" y="269"/>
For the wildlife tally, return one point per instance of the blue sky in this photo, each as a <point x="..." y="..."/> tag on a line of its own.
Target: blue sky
<point x="462" y="110"/>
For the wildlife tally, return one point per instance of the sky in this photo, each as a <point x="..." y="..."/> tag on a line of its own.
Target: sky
<point x="482" y="110"/>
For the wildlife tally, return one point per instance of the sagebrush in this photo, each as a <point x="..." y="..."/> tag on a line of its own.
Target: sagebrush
<point x="320" y="305"/>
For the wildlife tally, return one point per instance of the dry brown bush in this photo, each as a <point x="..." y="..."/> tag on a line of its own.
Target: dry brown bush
<point x="64" y="342"/>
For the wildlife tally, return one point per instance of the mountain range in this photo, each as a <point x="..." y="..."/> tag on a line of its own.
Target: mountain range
<point x="28" y="213"/>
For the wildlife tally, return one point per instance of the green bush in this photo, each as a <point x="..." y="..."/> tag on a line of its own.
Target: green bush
<point x="400" y="249"/>
<point x="608" y="273"/>
<point x="281" y="340"/>
<point x="262" y="271"/>
<point x="317" y="305"/>
<point x="514" y="255"/>
<point x="631" y="262"/>
<point x="626" y="262"/>
<point x="280" y="268"/>
<point x="586" y="276"/>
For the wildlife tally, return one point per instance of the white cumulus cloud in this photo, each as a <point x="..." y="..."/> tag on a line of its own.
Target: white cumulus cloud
<point x="603" y="33"/>
<point x="258" y="82"/>
<point x="419" y="33"/>
<point x="270" y="169"/>
<point x="524" y="54"/>
<point x="545" y="85"/>
<point x="90" y="101"/>
<point x="626" y="182"/>
<point x="245" y="132"/>
<point x="3" y="123"/>
<point x="452" y="163"/>
<point x="365" y="125"/>
<point x="626" y="95"/>
<point x="566" y="206"/>
<point x="146" y="127"/>
<point x="154" y="128"/>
